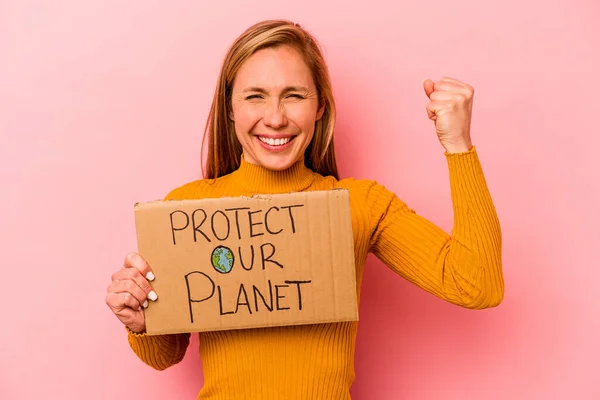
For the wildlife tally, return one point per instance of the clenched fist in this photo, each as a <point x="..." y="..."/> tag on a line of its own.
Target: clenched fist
<point x="129" y="292"/>
<point x="450" y="106"/>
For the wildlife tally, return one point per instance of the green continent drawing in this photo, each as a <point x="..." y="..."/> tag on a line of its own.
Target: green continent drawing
<point x="222" y="259"/>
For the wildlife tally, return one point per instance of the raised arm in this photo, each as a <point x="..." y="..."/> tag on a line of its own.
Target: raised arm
<point x="464" y="268"/>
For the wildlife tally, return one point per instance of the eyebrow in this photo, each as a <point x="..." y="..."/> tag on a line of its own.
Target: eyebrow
<point x="264" y="91"/>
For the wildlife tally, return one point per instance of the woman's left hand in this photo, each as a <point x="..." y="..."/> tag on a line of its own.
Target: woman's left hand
<point x="451" y="102"/>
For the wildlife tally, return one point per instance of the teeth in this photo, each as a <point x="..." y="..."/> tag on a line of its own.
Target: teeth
<point x="274" y="142"/>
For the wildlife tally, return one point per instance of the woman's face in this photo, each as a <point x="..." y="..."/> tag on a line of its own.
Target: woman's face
<point x="275" y="106"/>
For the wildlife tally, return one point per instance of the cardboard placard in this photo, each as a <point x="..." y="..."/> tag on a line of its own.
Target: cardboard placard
<point x="248" y="262"/>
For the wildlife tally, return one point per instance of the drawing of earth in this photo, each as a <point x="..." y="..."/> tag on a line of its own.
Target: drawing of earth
<point x="222" y="259"/>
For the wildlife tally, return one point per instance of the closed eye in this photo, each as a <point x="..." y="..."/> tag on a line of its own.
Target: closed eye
<point x="259" y="96"/>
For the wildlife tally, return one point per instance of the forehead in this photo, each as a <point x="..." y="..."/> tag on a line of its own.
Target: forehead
<point x="274" y="68"/>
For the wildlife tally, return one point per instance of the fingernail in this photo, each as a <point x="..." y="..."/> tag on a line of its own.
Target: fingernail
<point x="152" y="295"/>
<point x="139" y="308"/>
<point x="150" y="276"/>
<point x="145" y="304"/>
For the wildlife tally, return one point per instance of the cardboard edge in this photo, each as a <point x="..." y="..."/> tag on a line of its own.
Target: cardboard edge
<point x="242" y="327"/>
<point x="353" y="255"/>
<point x="260" y="196"/>
<point x="348" y="203"/>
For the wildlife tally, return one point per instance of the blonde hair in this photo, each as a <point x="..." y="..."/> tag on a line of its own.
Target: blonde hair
<point x="224" y="150"/>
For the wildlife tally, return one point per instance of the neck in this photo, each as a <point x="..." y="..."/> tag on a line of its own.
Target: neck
<point x="258" y="179"/>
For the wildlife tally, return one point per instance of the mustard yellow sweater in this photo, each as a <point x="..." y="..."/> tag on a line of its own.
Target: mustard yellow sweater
<point x="311" y="362"/>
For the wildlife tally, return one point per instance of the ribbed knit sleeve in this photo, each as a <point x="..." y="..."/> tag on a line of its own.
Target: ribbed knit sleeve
<point x="464" y="268"/>
<point x="161" y="351"/>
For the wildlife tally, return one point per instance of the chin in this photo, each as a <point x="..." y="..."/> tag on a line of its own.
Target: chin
<point x="277" y="163"/>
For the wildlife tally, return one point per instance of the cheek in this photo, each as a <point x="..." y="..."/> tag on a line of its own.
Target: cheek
<point x="303" y="117"/>
<point x="246" y="117"/>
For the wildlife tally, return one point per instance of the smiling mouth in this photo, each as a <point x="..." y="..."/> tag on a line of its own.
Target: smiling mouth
<point x="275" y="142"/>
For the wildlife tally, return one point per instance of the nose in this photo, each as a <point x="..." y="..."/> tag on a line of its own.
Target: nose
<point x="275" y="115"/>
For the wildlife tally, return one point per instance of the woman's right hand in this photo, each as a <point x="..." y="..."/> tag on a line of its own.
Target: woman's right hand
<point x="129" y="291"/>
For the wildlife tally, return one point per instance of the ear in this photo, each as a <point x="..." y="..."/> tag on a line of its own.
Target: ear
<point x="320" y="112"/>
<point x="229" y="107"/>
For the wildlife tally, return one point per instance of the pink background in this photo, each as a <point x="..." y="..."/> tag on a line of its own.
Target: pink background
<point x="102" y="103"/>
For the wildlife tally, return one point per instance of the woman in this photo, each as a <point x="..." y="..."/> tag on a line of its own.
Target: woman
<point x="270" y="130"/>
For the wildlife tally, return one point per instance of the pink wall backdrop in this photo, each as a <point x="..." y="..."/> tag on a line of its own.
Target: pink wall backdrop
<point x="102" y="103"/>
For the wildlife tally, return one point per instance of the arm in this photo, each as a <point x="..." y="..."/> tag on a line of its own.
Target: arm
<point x="464" y="268"/>
<point x="161" y="351"/>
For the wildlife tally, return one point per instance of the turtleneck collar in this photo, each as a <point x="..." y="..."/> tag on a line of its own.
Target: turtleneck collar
<point x="258" y="179"/>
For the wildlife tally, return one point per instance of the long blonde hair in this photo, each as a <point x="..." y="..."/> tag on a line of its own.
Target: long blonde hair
<point x="224" y="150"/>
